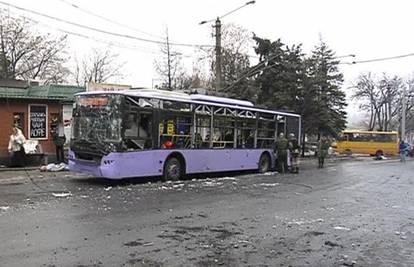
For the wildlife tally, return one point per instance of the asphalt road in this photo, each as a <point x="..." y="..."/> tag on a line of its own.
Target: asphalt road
<point x="351" y="213"/>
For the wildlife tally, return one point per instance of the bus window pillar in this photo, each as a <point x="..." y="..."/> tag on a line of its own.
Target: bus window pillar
<point x="255" y="130"/>
<point x="235" y="133"/>
<point x="211" y="127"/>
<point x="193" y="132"/>
<point x="276" y="124"/>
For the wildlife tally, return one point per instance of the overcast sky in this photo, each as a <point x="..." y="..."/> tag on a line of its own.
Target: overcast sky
<point x="369" y="29"/>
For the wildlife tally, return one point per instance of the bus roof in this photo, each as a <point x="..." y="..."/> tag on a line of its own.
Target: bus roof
<point x="222" y="100"/>
<point x="367" y="132"/>
<point x="196" y="99"/>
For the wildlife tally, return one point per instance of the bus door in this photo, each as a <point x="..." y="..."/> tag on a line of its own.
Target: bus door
<point x="281" y="125"/>
<point x="293" y="126"/>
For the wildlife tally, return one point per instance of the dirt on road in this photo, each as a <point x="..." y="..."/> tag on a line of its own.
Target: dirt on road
<point x="356" y="213"/>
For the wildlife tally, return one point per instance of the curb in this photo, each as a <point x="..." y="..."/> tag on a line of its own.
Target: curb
<point x="31" y="168"/>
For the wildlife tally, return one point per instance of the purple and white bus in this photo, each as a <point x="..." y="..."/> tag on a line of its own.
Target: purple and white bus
<point x="145" y="132"/>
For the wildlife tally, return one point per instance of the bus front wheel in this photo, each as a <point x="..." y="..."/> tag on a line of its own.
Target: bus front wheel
<point x="172" y="170"/>
<point x="264" y="163"/>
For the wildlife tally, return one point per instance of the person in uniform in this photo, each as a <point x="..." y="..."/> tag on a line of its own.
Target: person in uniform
<point x="293" y="146"/>
<point x="323" y="146"/>
<point x="281" y="150"/>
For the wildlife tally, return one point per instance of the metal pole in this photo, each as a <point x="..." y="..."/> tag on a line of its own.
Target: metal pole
<point x="218" y="54"/>
<point x="169" y="63"/>
<point x="403" y="113"/>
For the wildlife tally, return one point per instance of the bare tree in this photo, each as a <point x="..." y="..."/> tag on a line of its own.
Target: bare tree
<point x="101" y="65"/>
<point x="382" y="99"/>
<point x="170" y="68"/>
<point x="27" y="54"/>
<point x="236" y="42"/>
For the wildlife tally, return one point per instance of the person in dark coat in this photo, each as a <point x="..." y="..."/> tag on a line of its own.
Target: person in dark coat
<point x="281" y="150"/>
<point x="403" y="150"/>
<point x="293" y="146"/>
<point x="323" y="146"/>
<point x="59" y="138"/>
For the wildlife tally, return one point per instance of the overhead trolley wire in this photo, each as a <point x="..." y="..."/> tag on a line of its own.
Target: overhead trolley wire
<point x="99" y="30"/>
<point x="111" y="43"/>
<point x="109" y="20"/>
<point x="377" y="59"/>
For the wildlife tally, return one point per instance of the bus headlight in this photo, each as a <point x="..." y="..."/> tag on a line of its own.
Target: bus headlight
<point x="108" y="162"/>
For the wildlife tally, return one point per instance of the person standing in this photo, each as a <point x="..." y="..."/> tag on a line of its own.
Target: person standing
<point x="293" y="146"/>
<point x="403" y="148"/>
<point x="281" y="149"/>
<point x="16" y="148"/>
<point x="323" y="146"/>
<point x="59" y="138"/>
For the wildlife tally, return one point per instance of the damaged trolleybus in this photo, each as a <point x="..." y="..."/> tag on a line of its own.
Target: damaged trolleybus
<point x="146" y="132"/>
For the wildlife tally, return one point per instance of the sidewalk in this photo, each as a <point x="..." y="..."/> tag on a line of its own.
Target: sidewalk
<point x="29" y="174"/>
<point x="28" y="168"/>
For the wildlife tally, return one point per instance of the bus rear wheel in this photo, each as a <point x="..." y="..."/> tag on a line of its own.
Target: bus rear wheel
<point x="172" y="169"/>
<point x="348" y="152"/>
<point x="379" y="153"/>
<point x="264" y="163"/>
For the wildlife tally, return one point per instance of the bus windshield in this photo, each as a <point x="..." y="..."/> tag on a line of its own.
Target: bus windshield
<point x="97" y="118"/>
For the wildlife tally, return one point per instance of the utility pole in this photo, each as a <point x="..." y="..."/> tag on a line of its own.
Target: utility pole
<point x="218" y="54"/>
<point x="168" y="62"/>
<point x="218" y="41"/>
<point x="404" y="103"/>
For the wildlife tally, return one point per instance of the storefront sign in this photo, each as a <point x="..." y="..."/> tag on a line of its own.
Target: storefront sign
<point x="91" y="86"/>
<point x="37" y="121"/>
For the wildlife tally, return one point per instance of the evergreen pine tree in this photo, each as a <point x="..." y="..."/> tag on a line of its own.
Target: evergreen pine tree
<point x="325" y="82"/>
<point x="280" y="78"/>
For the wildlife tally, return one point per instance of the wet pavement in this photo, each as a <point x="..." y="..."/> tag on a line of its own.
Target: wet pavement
<point x="351" y="213"/>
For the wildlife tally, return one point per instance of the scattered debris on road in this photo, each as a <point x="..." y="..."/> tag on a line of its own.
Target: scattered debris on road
<point x="54" y="167"/>
<point x="342" y="228"/>
<point x="63" y="194"/>
<point x="4" y="208"/>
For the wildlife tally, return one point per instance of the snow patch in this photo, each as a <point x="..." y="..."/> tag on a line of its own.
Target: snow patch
<point x="342" y="228"/>
<point x="62" y="194"/>
<point x="269" y="185"/>
<point x="4" y="208"/>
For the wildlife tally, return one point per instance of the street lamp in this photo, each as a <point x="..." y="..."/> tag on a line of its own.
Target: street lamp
<point x="350" y="55"/>
<point x="217" y="25"/>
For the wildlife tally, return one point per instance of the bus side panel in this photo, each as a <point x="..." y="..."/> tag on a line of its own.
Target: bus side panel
<point x="151" y="162"/>
<point x="123" y="165"/>
<point x="391" y="148"/>
<point x="218" y="160"/>
<point x="367" y="147"/>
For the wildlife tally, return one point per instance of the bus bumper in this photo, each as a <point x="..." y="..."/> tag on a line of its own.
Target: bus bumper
<point x="83" y="166"/>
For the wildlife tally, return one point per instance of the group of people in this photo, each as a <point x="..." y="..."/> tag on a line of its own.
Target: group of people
<point x="17" y="140"/>
<point x="287" y="152"/>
